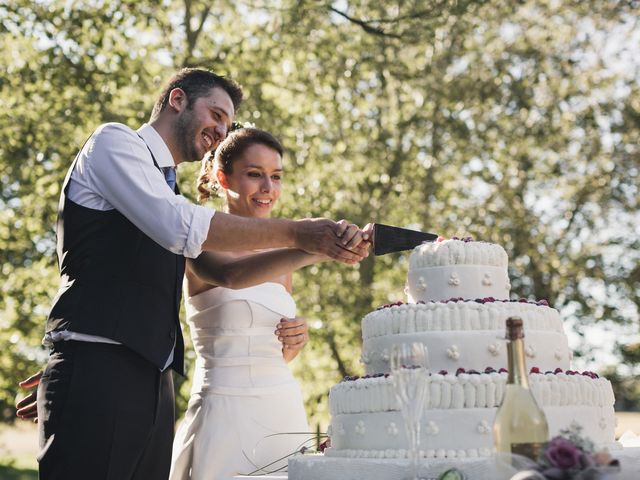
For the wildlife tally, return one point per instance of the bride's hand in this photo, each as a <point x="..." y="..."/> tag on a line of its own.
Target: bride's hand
<point x="293" y="334"/>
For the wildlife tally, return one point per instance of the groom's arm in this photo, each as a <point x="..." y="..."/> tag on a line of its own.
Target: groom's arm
<point x="120" y="170"/>
<point x="319" y="236"/>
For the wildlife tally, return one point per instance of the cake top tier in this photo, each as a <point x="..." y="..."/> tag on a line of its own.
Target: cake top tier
<point x="458" y="252"/>
<point x="458" y="269"/>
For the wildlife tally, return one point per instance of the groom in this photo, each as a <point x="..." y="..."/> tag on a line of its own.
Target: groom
<point x="105" y="400"/>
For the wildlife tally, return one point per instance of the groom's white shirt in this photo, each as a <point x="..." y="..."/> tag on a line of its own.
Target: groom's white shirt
<point x="114" y="170"/>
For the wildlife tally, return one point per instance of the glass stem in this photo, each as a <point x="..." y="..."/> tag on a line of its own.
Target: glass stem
<point x="415" y="444"/>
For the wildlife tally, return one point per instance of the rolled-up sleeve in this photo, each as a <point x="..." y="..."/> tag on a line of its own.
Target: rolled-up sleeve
<point x="121" y="170"/>
<point x="198" y="229"/>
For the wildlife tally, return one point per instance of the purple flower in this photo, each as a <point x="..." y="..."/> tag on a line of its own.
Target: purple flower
<point x="562" y="453"/>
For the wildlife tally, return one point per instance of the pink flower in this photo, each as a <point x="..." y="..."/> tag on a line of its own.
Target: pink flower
<point x="562" y="453"/>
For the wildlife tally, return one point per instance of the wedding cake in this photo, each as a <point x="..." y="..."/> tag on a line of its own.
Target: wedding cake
<point x="458" y="301"/>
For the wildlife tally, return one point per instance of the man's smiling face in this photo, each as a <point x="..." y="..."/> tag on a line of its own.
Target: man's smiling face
<point x="203" y="124"/>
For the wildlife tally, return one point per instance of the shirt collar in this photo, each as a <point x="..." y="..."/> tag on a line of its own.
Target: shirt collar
<point x="157" y="146"/>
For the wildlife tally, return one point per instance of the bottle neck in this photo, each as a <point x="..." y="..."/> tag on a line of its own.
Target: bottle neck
<point x="517" y="368"/>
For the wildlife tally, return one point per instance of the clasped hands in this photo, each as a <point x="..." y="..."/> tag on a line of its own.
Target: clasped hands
<point x="341" y="241"/>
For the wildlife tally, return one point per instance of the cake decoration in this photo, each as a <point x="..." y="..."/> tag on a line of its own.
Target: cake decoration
<point x="494" y="349"/>
<point x="603" y="423"/>
<point x="392" y="429"/>
<point x="530" y="351"/>
<point x="483" y="300"/>
<point x="484" y="427"/>
<point x="432" y="428"/>
<point x="453" y="353"/>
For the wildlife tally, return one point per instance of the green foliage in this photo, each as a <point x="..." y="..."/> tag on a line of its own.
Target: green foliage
<point x="512" y="122"/>
<point x="626" y="389"/>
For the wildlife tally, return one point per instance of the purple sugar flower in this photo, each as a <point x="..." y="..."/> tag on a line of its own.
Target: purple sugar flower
<point x="562" y="453"/>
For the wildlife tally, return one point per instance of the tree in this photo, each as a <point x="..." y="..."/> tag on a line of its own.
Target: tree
<point x="513" y="123"/>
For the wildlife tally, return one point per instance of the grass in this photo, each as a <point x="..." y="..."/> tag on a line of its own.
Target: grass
<point x="9" y="472"/>
<point x="18" y="450"/>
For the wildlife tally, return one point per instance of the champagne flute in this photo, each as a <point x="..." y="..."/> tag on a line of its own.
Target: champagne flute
<point x="409" y="369"/>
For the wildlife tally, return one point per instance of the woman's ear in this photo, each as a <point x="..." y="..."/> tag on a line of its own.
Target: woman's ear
<point x="222" y="179"/>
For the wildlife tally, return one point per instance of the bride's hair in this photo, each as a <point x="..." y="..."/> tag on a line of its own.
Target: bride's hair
<point x="227" y="152"/>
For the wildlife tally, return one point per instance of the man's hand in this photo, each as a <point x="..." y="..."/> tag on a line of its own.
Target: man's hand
<point x="28" y="406"/>
<point x="340" y="241"/>
<point x="293" y="334"/>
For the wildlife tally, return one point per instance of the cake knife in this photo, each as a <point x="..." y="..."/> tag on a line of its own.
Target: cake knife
<point x="388" y="239"/>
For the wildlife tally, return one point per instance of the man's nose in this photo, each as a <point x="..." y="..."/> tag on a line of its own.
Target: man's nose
<point x="221" y="130"/>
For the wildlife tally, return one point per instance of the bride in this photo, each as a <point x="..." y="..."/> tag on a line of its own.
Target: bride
<point x="244" y="399"/>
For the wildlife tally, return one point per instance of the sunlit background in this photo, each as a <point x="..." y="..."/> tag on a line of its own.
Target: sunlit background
<point x="512" y="122"/>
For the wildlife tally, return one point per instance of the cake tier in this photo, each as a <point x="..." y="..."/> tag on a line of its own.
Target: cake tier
<point x="321" y="467"/>
<point x="455" y="268"/>
<point x="464" y="333"/>
<point x="459" y="413"/>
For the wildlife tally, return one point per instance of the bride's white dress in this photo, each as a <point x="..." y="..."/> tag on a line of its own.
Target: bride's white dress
<point x="243" y="392"/>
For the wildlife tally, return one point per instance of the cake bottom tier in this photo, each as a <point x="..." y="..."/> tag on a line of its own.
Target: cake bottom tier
<point x="321" y="467"/>
<point x="451" y="433"/>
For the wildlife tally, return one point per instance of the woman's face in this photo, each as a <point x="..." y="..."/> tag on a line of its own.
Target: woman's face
<point x="254" y="184"/>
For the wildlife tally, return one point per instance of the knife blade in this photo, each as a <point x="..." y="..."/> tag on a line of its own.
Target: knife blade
<point x="388" y="239"/>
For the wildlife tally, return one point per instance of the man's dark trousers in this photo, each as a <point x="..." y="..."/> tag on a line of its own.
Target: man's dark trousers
<point x="106" y="413"/>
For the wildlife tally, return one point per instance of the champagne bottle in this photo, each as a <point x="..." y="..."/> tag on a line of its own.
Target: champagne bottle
<point x="520" y="426"/>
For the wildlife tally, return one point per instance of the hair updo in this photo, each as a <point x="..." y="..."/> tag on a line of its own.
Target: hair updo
<point x="231" y="148"/>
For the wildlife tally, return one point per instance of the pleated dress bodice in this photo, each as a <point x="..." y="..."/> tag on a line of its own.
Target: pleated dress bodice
<point x="233" y="333"/>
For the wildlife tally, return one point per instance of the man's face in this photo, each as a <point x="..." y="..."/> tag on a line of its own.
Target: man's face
<point x="201" y="127"/>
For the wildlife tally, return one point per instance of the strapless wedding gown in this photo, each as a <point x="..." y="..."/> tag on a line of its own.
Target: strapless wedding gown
<point x="243" y="392"/>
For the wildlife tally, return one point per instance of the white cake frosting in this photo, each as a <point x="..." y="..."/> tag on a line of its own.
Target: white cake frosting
<point x="458" y="293"/>
<point x="459" y="413"/>
<point x="463" y="333"/>
<point x="457" y="269"/>
<point x="467" y="390"/>
<point x="321" y="467"/>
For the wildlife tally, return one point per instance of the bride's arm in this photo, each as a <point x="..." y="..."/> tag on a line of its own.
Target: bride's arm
<point x="293" y="333"/>
<point x="232" y="272"/>
<point x="223" y="270"/>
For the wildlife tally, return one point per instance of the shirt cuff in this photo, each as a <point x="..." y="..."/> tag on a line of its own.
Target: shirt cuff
<point x="198" y="231"/>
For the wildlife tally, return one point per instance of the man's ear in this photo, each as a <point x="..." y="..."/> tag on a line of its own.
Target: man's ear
<point x="177" y="99"/>
<point x="222" y="179"/>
